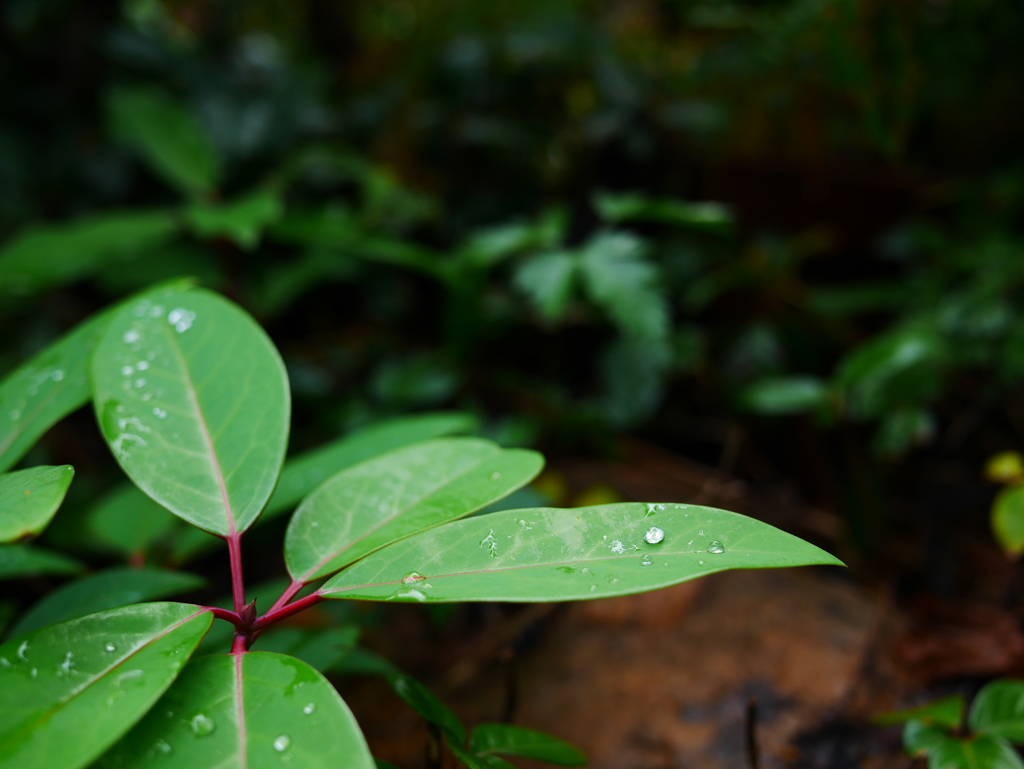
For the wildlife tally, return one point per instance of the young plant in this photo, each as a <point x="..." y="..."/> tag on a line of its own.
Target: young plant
<point x="936" y="731"/>
<point x="193" y="401"/>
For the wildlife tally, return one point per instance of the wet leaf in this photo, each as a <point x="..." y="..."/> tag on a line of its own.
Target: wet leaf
<point x="255" y="710"/>
<point x="69" y="691"/>
<point x="30" y="498"/>
<point x="516" y="741"/>
<point x="382" y="500"/>
<point x="25" y="561"/>
<point x="102" y="590"/>
<point x="548" y="554"/>
<point x="193" y="399"/>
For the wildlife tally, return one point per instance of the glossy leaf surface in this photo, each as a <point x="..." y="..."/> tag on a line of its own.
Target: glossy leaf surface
<point x="106" y="589"/>
<point x="999" y="710"/>
<point x="193" y="399"/>
<point x="25" y="561"/>
<point x="516" y="741"/>
<point x="382" y="500"/>
<point x="252" y="711"/>
<point x="548" y="554"/>
<point x="127" y="521"/>
<point x="947" y="752"/>
<point x="69" y="691"/>
<point x="30" y="498"/>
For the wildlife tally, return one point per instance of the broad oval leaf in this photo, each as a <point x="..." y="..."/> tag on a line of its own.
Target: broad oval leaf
<point x="248" y="711"/>
<point x="193" y="399"/>
<point x="406" y="491"/>
<point x="548" y="554"/>
<point x="304" y="472"/>
<point x="30" y="498"/>
<point x="127" y="521"/>
<point x="104" y="590"/>
<point x="999" y="710"/>
<point x="69" y="691"/>
<point x="513" y="740"/>
<point x="947" y="752"/>
<point x="25" y="561"/>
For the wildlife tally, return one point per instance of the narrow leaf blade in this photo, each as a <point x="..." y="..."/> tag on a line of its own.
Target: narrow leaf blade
<point x="30" y="498"/>
<point x="127" y="521"/>
<point x="69" y="691"/>
<point x="948" y="712"/>
<point x="24" y="561"/>
<point x="102" y="590"/>
<point x="193" y="399"/>
<point x="547" y="554"/>
<point x="517" y="741"/>
<point x="382" y="500"/>
<point x="255" y="710"/>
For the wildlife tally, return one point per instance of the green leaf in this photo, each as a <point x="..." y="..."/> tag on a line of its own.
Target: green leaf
<point x="998" y="710"/>
<point x="777" y="396"/>
<point x="52" y="255"/>
<point x="321" y="649"/>
<point x="127" y="521"/>
<point x="949" y="711"/>
<point x="193" y="399"/>
<point x="547" y="554"/>
<point x="632" y="206"/>
<point x="25" y="561"/>
<point x="528" y="743"/>
<point x="102" y="590"/>
<point x="381" y="764"/>
<point x="1008" y="519"/>
<point x="168" y="137"/>
<point x="625" y="285"/>
<point x="69" y="691"/>
<point x="30" y="498"/>
<point x="902" y="428"/>
<point x="547" y="279"/>
<point x="47" y="388"/>
<point x="947" y="752"/>
<point x="242" y="220"/>
<point x="480" y="762"/>
<point x="306" y="471"/>
<point x="406" y="491"/>
<point x="422" y="700"/>
<point x="255" y="710"/>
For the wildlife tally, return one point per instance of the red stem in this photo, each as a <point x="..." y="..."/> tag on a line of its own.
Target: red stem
<point x="240" y="644"/>
<point x="276" y="615"/>
<point x="225" y="614"/>
<point x="287" y="595"/>
<point x="237" y="584"/>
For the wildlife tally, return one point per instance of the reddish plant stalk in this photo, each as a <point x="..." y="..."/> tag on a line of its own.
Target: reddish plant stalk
<point x="237" y="584"/>
<point x="276" y="615"/>
<point x="287" y="595"/>
<point x="240" y="644"/>
<point x="225" y="614"/>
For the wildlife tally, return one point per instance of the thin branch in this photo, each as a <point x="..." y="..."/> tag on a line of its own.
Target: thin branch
<point x="287" y="595"/>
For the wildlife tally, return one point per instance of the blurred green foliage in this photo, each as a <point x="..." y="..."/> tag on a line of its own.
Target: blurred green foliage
<point x="571" y="217"/>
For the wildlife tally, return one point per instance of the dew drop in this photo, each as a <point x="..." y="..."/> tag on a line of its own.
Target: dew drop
<point x="412" y="577"/>
<point x="495" y="476"/>
<point x="617" y="546"/>
<point x="4" y="663"/>
<point x="309" y="709"/>
<point x="159" y="413"/>
<point x="202" y="725"/>
<point x="33" y="672"/>
<point x="412" y="593"/>
<point x="522" y="523"/>
<point x="282" y="743"/>
<point x="22" y="650"/>
<point x="127" y="370"/>
<point x="163" y="747"/>
<point x="654" y="535"/>
<point x="140" y="382"/>
<point x="109" y="647"/>
<point x="141" y="365"/>
<point x="593" y="588"/>
<point x="647" y="561"/>
<point x="130" y="336"/>
<point x="714" y="546"/>
<point x="57" y="375"/>
<point x="700" y="563"/>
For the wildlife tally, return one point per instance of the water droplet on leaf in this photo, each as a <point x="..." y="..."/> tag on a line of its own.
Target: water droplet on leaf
<point x="654" y="535"/>
<point x="714" y="546"/>
<point x="202" y="725"/>
<point x="412" y="577"/>
<point x="109" y="647"/>
<point x="309" y="709"/>
<point x="282" y="743"/>
<point x="647" y="561"/>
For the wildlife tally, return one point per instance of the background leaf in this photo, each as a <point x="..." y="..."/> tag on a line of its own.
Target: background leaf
<point x="193" y="399"/>
<point x="167" y="135"/>
<point x="947" y="752"/>
<point x="547" y="554"/>
<point x="949" y="712"/>
<point x="255" y="710"/>
<point x="395" y="495"/>
<point x="998" y="710"/>
<point x="1008" y="519"/>
<point x="785" y="395"/>
<point x="127" y="521"/>
<point x="30" y="498"/>
<point x="241" y="220"/>
<point x="69" y="691"/>
<point x="106" y="589"/>
<point x="321" y="649"/>
<point x="547" y="279"/>
<point x="25" y="561"/>
<point x="517" y="741"/>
